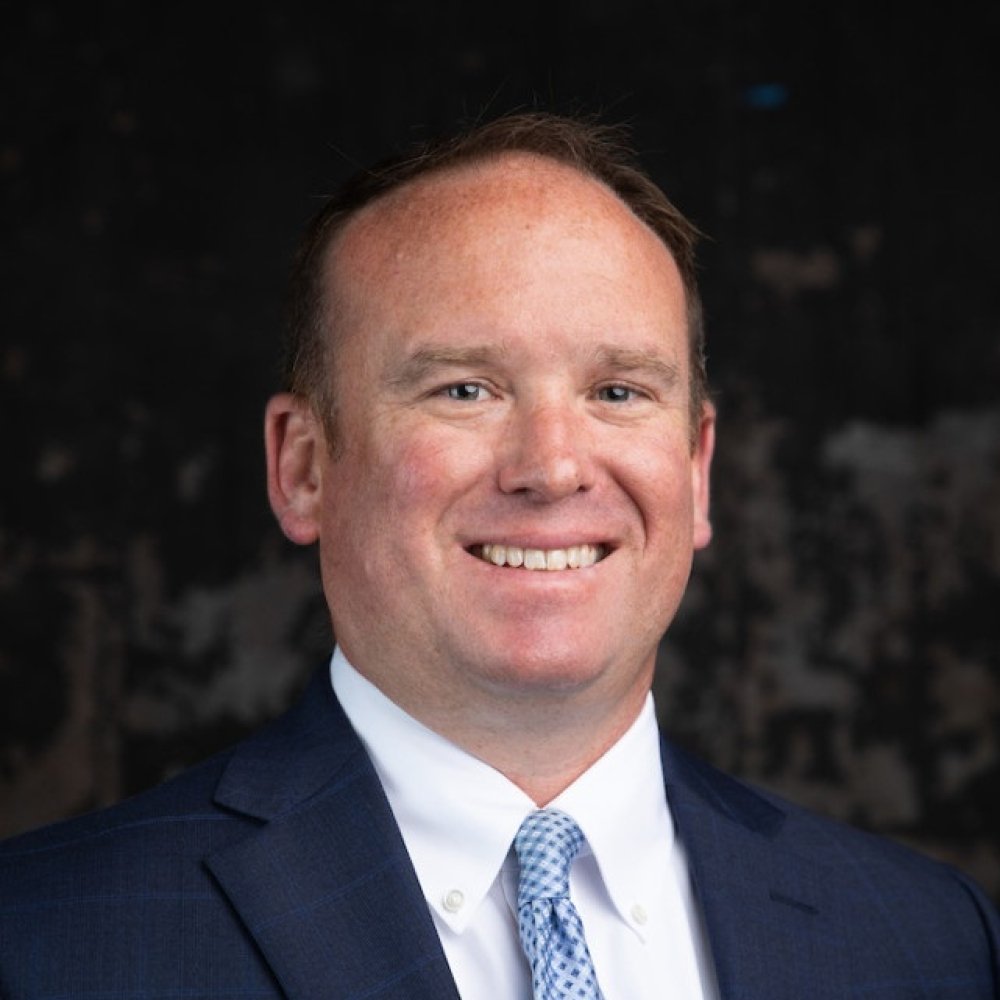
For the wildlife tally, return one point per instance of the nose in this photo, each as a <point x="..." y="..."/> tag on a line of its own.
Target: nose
<point x="547" y="453"/>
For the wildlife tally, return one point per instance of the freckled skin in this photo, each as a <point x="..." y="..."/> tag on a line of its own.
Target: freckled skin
<point x="531" y="282"/>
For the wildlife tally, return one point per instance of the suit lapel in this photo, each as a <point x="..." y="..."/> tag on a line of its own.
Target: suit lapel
<point x="325" y="886"/>
<point x="327" y="891"/>
<point x="768" y="922"/>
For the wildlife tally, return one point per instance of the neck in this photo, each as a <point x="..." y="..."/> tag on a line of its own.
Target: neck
<point x="541" y="731"/>
<point x="551" y="765"/>
<point x="540" y="741"/>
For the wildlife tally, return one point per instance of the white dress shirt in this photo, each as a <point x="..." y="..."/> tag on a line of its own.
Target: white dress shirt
<point x="458" y="817"/>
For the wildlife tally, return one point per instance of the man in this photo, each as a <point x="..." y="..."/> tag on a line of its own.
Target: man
<point x="498" y="432"/>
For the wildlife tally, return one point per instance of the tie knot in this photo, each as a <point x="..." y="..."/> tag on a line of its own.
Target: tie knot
<point x="546" y="845"/>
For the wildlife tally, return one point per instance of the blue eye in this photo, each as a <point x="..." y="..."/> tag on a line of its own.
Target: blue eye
<point x="465" y="391"/>
<point x="616" y="394"/>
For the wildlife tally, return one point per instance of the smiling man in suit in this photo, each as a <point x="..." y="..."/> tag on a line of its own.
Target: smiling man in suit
<point x="496" y="427"/>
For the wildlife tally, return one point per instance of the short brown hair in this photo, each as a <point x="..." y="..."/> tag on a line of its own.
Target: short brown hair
<point x="596" y="150"/>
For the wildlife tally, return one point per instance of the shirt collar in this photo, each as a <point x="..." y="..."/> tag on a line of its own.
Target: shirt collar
<point x="458" y="815"/>
<point x="620" y="805"/>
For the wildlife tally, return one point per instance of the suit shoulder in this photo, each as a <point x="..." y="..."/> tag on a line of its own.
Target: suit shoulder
<point x="832" y="841"/>
<point x="189" y="798"/>
<point x="833" y="849"/>
<point x="114" y="896"/>
<point x="182" y="801"/>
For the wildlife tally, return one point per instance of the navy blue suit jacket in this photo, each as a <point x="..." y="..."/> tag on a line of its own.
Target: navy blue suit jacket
<point x="276" y="869"/>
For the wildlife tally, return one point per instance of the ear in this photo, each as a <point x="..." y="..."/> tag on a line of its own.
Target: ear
<point x="701" y="467"/>
<point x="295" y="444"/>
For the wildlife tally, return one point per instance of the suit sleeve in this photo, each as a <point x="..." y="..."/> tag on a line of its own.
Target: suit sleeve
<point x="990" y="918"/>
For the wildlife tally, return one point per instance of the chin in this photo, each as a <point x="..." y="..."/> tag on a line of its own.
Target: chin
<point x="533" y="671"/>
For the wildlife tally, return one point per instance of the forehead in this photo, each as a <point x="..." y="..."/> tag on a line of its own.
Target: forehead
<point x="493" y="240"/>
<point x="496" y="205"/>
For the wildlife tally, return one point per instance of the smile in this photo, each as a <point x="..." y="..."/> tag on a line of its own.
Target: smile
<point x="552" y="560"/>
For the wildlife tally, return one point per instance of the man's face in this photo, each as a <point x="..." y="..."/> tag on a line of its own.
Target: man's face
<point x="512" y="390"/>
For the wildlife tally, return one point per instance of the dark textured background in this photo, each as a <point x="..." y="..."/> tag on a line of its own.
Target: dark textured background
<point x="840" y="640"/>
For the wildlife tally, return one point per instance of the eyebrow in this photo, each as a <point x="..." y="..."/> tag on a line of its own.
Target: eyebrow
<point x="424" y="361"/>
<point x="630" y="359"/>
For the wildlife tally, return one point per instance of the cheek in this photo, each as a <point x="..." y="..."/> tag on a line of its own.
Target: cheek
<point x="658" y="479"/>
<point x="418" y="472"/>
<point x="416" y="475"/>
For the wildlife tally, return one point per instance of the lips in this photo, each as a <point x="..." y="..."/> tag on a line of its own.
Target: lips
<point x="550" y="560"/>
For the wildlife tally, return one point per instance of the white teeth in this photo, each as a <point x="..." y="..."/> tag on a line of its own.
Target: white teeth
<point x="534" y="559"/>
<point x="553" y="560"/>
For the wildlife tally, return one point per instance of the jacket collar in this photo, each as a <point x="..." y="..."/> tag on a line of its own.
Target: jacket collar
<point x="765" y="906"/>
<point x="326" y="888"/>
<point x="324" y="884"/>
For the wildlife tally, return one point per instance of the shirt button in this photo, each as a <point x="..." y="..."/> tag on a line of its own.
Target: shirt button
<point x="453" y="900"/>
<point x="639" y="914"/>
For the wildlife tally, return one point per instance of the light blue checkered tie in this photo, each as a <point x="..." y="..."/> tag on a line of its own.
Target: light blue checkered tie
<point x="551" y="929"/>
